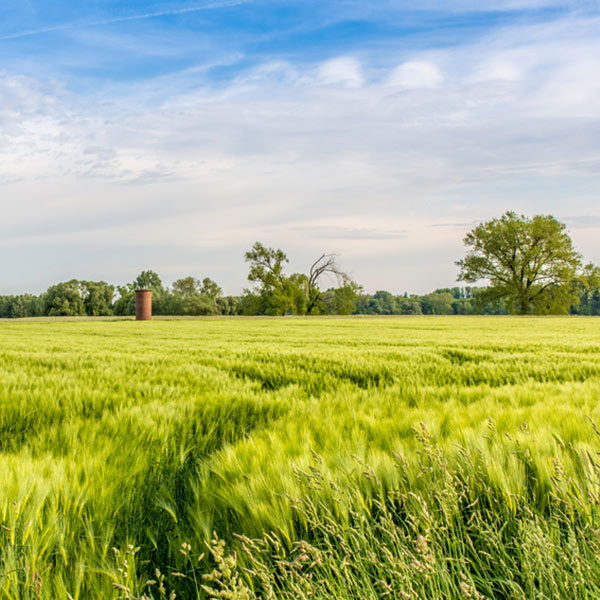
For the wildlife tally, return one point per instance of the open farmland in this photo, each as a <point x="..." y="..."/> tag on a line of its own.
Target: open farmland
<point x="361" y="458"/>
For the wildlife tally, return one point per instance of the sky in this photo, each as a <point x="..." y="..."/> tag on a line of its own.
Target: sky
<point x="173" y="135"/>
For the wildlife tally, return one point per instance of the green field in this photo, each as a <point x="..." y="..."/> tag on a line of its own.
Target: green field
<point x="440" y="457"/>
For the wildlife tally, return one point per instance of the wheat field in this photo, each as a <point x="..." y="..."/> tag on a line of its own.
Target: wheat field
<point x="401" y="457"/>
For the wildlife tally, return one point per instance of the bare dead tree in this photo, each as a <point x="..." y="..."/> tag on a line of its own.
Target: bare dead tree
<point x="325" y="266"/>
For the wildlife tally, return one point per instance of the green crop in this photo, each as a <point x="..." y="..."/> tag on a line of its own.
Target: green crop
<point x="404" y="457"/>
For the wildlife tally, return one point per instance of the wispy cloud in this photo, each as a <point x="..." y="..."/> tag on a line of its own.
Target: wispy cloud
<point x="582" y="221"/>
<point x="136" y="17"/>
<point x="347" y="233"/>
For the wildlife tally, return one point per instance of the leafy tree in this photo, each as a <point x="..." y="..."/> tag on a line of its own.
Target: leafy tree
<point x="409" y="305"/>
<point x="325" y="266"/>
<point x="125" y="303"/>
<point x="252" y="304"/>
<point x="266" y="265"/>
<point x="229" y="305"/>
<point x="164" y="302"/>
<point x="210" y="289"/>
<point x="97" y="297"/>
<point x="64" y="299"/>
<point x="188" y="286"/>
<point x="588" y="292"/>
<point x="438" y="303"/>
<point x="530" y="263"/>
<point x="343" y="300"/>
<point x="198" y="304"/>
<point x="279" y="294"/>
<point x="24" y="305"/>
<point x="198" y="298"/>
<point x="148" y="280"/>
<point x="384" y="303"/>
<point x="77" y="298"/>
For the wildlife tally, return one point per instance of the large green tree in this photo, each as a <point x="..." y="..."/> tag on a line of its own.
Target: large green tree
<point x="64" y="299"/>
<point x="530" y="263"/>
<point x="278" y="293"/>
<point x="76" y="298"/>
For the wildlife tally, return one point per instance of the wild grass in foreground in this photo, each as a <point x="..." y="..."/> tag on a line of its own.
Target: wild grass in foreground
<point x="346" y="458"/>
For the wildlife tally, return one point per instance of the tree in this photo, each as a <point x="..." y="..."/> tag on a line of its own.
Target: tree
<point x="188" y="286"/>
<point x="279" y="294"/>
<point x="213" y="291"/>
<point x="266" y="265"/>
<point x="97" y="297"/>
<point x="588" y="292"/>
<point x="25" y="305"/>
<point x="198" y="304"/>
<point x="342" y="300"/>
<point x="529" y="263"/>
<point x="125" y="303"/>
<point x="148" y="280"/>
<point x="325" y="265"/>
<point x="409" y="305"/>
<point x="438" y="303"/>
<point x="229" y="305"/>
<point x="298" y="294"/>
<point x="64" y="299"/>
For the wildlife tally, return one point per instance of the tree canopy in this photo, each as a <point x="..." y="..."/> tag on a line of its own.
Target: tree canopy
<point x="278" y="293"/>
<point x="325" y="266"/>
<point x="298" y="293"/>
<point x="530" y="263"/>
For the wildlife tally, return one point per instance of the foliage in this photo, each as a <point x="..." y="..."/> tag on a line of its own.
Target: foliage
<point x="197" y="298"/>
<point x="77" y="298"/>
<point x="326" y="266"/>
<point x="279" y="294"/>
<point x="587" y="288"/>
<point x="342" y="300"/>
<point x="188" y="286"/>
<point x="530" y="263"/>
<point x="97" y="297"/>
<point x="64" y="299"/>
<point x="211" y="290"/>
<point x="24" y="305"/>
<point x="148" y="280"/>
<point x="438" y="303"/>
<point x="296" y="294"/>
<point x="465" y="301"/>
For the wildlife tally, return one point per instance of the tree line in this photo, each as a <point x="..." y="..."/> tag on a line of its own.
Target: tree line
<point x="529" y="264"/>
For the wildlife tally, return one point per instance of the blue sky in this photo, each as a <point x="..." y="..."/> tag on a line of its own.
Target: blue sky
<point x="172" y="135"/>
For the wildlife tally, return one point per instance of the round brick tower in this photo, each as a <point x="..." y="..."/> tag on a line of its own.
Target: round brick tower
<point x="143" y="305"/>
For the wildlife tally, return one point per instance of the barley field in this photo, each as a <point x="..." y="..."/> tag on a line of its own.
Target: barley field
<point x="403" y="457"/>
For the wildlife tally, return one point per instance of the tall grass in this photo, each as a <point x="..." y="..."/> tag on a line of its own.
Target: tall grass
<point x="347" y="458"/>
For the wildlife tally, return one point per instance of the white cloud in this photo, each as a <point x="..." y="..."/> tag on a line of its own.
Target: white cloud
<point x="497" y="70"/>
<point x="416" y="74"/>
<point x="342" y="70"/>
